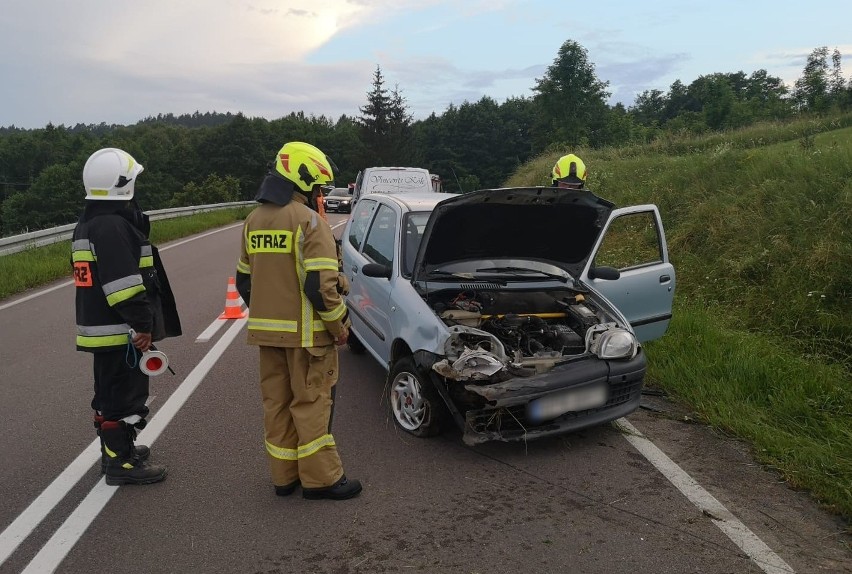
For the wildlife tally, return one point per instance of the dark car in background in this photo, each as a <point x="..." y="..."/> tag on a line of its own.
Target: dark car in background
<point x="338" y="200"/>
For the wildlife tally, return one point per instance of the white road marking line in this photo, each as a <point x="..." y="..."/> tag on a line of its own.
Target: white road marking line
<point x="67" y="283"/>
<point x="32" y="516"/>
<point x="738" y="532"/>
<point x="210" y="331"/>
<point x="214" y="327"/>
<point x="39" y="508"/>
<point x="34" y="295"/>
<point x="64" y="539"/>
<point x="202" y="236"/>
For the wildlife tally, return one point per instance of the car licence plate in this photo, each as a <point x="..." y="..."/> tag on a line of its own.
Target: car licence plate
<point x="570" y="400"/>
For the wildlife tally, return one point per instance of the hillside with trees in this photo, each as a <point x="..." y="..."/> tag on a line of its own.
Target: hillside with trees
<point x="211" y="157"/>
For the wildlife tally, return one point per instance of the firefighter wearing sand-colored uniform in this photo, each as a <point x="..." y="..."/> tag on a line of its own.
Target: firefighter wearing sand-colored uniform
<point x="287" y="273"/>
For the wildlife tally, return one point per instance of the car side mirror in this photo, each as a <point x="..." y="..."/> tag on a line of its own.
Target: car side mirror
<point x="604" y="272"/>
<point x="376" y="270"/>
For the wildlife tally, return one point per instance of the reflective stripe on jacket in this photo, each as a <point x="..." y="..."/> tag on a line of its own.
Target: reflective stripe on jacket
<point x="290" y="256"/>
<point x="116" y="280"/>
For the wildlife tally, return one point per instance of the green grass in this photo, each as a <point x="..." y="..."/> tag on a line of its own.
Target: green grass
<point x="759" y="222"/>
<point x="35" y="267"/>
<point x="795" y="412"/>
<point x="759" y="228"/>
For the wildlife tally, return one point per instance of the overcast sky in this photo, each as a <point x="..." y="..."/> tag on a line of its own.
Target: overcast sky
<point x="93" y="61"/>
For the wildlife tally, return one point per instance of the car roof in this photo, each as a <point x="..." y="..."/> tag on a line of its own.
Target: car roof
<point x="413" y="201"/>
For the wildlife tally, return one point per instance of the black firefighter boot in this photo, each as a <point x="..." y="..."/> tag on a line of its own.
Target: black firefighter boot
<point x="122" y="466"/>
<point x="140" y="451"/>
<point x="341" y="490"/>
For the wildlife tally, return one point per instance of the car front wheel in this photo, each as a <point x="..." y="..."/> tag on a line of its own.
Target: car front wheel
<point x="413" y="401"/>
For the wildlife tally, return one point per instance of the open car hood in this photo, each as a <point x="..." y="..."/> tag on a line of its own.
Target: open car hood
<point x="555" y="225"/>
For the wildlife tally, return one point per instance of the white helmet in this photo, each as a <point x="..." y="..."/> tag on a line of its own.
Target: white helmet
<point x="110" y="174"/>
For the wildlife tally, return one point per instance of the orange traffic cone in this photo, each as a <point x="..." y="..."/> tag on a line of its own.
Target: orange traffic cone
<point x="233" y="307"/>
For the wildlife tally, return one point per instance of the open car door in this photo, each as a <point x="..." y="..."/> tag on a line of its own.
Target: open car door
<point x="633" y="241"/>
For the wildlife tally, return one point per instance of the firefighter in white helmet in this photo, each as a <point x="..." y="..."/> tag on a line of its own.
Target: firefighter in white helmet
<point x="120" y="285"/>
<point x="287" y="274"/>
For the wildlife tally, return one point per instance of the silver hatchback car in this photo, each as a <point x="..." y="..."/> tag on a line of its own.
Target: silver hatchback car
<point x="515" y="313"/>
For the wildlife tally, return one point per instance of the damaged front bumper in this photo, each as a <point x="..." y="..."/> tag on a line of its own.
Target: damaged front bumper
<point x="507" y="416"/>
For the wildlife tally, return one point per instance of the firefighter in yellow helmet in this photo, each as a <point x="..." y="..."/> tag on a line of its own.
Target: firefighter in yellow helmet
<point x="569" y="171"/>
<point x="287" y="274"/>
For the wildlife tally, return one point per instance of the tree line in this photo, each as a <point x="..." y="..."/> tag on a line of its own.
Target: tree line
<point x="209" y="157"/>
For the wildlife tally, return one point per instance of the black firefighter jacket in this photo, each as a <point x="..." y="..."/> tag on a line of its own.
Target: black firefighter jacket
<point x="119" y="278"/>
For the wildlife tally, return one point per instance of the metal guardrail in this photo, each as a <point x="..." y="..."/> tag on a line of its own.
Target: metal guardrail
<point x="43" y="237"/>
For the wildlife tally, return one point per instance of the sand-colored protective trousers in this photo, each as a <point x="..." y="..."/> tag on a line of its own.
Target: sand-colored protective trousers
<point x="297" y="387"/>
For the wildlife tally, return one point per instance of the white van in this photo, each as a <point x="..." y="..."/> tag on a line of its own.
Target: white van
<point x="392" y="180"/>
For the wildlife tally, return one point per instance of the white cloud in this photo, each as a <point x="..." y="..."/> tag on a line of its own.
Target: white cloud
<point x="117" y="62"/>
<point x="199" y="37"/>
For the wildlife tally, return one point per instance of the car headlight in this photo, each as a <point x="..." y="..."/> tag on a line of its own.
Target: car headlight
<point x="611" y="343"/>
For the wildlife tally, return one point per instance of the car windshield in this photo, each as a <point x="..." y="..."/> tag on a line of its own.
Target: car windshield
<point x="527" y="270"/>
<point x="507" y="269"/>
<point x="339" y="192"/>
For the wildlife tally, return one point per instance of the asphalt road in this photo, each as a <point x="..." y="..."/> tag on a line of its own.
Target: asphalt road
<point x="600" y="501"/>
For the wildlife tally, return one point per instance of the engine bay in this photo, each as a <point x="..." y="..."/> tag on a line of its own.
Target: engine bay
<point x="501" y="334"/>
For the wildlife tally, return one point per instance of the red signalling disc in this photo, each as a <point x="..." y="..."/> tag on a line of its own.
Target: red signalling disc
<point x="154" y="364"/>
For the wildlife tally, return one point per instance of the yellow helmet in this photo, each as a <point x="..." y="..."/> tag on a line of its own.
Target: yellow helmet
<point x="304" y="165"/>
<point x="569" y="171"/>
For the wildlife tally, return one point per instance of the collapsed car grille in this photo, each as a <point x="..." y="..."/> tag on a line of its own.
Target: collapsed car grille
<point x="513" y="420"/>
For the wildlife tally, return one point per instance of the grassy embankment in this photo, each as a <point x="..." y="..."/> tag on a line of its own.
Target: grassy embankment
<point x="34" y="267"/>
<point x="759" y="228"/>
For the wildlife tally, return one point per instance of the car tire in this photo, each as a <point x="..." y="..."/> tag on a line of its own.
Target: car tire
<point x="355" y="344"/>
<point x="414" y="404"/>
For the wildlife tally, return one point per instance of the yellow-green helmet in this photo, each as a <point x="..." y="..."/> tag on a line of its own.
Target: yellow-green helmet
<point x="304" y="165"/>
<point x="569" y="171"/>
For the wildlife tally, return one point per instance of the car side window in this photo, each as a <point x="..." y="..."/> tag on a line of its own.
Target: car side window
<point x="360" y="221"/>
<point x="632" y="241"/>
<point x="380" y="240"/>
